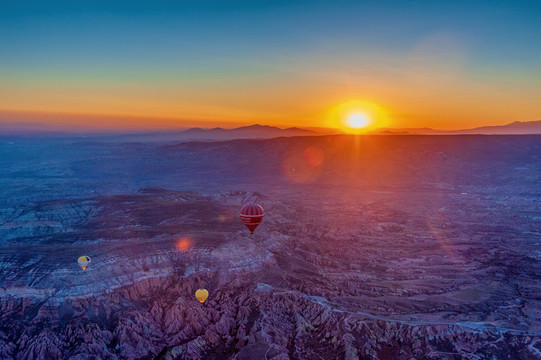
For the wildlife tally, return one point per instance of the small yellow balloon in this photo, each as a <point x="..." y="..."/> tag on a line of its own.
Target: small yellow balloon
<point x="202" y="295"/>
<point x="84" y="261"/>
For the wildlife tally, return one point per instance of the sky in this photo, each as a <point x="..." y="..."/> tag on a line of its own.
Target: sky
<point x="169" y="64"/>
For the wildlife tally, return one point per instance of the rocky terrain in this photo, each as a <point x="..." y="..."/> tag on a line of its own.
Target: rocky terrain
<point x="373" y="247"/>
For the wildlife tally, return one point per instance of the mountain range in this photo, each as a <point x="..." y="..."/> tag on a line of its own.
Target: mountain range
<point x="255" y="131"/>
<point x="514" y="128"/>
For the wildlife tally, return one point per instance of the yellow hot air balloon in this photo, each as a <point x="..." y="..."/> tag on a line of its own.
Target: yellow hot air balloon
<point x="202" y="295"/>
<point x="84" y="261"/>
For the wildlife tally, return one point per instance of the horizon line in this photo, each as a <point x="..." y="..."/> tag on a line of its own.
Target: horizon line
<point x="60" y="126"/>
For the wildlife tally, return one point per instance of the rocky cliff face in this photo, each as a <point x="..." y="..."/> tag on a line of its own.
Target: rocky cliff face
<point x="295" y="290"/>
<point x="160" y="319"/>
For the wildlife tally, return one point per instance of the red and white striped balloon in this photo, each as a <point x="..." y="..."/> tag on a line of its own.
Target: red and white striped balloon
<point x="252" y="215"/>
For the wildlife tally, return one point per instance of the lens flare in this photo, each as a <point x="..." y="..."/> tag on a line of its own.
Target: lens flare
<point x="314" y="155"/>
<point x="298" y="168"/>
<point x="184" y="244"/>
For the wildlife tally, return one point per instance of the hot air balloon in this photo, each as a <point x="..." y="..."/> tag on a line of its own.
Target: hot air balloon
<point x="251" y="215"/>
<point x="201" y="295"/>
<point x="84" y="261"/>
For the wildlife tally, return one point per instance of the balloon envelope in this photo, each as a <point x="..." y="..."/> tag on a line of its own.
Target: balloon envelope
<point x="201" y="295"/>
<point x="252" y="215"/>
<point x="84" y="261"/>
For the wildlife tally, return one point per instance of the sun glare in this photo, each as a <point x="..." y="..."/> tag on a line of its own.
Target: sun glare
<point x="357" y="116"/>
<point x="358" y="121"/>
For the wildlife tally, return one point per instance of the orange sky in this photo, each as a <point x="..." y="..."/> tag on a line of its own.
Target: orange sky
<point x="421" y="91"/>
<point x="450" y="104"/>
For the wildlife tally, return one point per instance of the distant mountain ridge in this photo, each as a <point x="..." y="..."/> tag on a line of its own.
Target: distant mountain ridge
<point x="251" y="131"/>
<point x="514" y="128"/>
<point x="517" y="127"/>
<point x="256" y="131"/>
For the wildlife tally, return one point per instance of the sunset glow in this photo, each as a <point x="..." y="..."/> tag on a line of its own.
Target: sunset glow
<point x="357" y="116"/>
<point x="127" y="66"/>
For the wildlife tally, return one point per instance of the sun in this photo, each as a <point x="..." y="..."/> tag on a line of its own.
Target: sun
<point x="357" y="116"/>
<point x="358" y="121"/>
